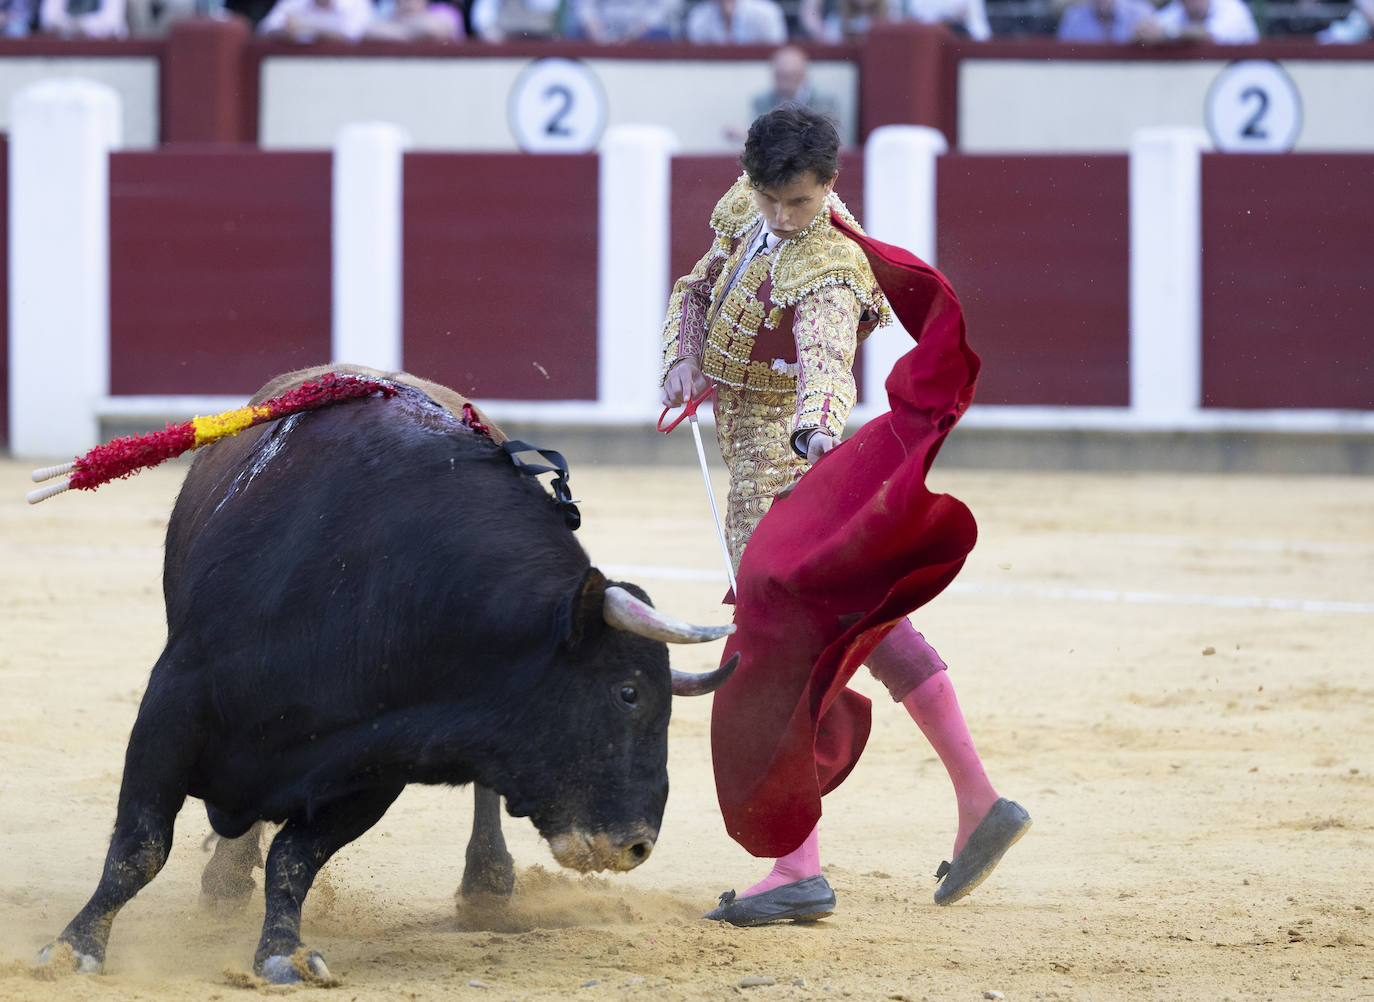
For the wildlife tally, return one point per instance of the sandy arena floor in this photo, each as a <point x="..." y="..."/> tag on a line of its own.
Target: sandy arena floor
<point x="1175" y="674"/>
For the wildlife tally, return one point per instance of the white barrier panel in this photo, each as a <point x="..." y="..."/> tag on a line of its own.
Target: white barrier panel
<point x="304" y="102"/>
<point x="899" y="208"/>
<point x="367" y="259"/>
<point x="62" y="132"/>
<point x="632" y="268"/>
<point x="1166" y="274"/>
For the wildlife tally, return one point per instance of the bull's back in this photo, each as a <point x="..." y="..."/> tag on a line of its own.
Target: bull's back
<point x="361" y="534"/>
<point x="217" y="470"/>
<point x="446" y="397"/>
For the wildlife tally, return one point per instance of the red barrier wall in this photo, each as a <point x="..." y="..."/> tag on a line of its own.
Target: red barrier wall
<point x="219" y="268"/>
<point x="500" y="288"/>
<point x="1288" y="302"/>
<point x="1037" y="250"/>
<point x="909" y="76"/>
<point x="697" y="184"/>
<point x="208" y="93"/>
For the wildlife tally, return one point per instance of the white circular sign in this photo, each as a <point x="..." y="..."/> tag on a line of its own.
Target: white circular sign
<point x="557" y="106"/>
<point x="1253" y="107"/>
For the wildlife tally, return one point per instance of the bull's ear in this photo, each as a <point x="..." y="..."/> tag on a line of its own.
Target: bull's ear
<point x="585" y="618"/>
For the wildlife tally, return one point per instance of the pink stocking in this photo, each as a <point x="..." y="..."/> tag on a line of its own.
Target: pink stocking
<point x="934" y="707"/>
<point x="802" y="862"/>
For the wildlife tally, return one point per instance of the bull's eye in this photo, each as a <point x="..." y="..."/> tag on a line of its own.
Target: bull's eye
<point x="629" y="695"/>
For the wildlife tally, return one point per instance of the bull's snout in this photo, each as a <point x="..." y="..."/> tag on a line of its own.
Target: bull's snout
<point x="586" y="852"/>
<point x="637" y="853"/>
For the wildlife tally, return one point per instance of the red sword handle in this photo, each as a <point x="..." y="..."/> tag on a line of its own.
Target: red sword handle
<point x="689" y="409"/>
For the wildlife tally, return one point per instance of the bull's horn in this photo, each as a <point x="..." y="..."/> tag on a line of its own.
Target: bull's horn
<point x="625" y="612"/>
<point x="687" y="684"/>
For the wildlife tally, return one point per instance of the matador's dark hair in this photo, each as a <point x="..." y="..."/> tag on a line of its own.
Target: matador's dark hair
<point x="786" y="143"/>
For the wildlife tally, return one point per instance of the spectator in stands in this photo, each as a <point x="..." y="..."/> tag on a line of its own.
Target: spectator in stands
<point x="316" y="20"/>
<point x="415" y="21"/>
<point x="736" y="22"/>
<point x="1224" y="22"/>
<point x="604" y="21"/>
<point x="967" y="17"/>
<point x="1354" y="27"/>
<point x="16" y="17"/>
<point x="841" y="20"/>
<point x="791" y="70"/>
<point x="153" y="18"/>
<point x="498" y="20"/>
<point x="1103" y="20"/>
<point x="84" y="18"/>
<point x="849" y="20"/>
<point x="253" y="10"/>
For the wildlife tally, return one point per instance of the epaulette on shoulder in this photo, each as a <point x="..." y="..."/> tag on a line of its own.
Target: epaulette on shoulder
<point x="821" y="255"/>
<point x="735" y="214"/>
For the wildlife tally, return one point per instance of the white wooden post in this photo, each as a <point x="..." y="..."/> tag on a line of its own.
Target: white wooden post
<point x="632" y="268"/>
<point x="367" y="235"/>
<point x="1166" y="274"/>
<point x="899" y="208"/>
<point x="61" y="135"/>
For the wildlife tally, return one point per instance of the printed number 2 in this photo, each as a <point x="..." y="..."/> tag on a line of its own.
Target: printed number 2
<point x="1253" y="106"/>
<point x="1252" y="128"/>
<point x="556" y="106"/>
<point x="555" y="125"/>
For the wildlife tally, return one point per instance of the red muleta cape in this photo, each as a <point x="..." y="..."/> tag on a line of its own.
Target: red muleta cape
<point x="858" y="544"/>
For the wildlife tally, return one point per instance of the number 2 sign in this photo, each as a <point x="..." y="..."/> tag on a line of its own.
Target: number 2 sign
<point x="1253" y="107"/>
<point x="557" y="106"/>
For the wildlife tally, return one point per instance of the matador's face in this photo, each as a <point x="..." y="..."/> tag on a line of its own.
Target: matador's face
<point x="788" y="208"/>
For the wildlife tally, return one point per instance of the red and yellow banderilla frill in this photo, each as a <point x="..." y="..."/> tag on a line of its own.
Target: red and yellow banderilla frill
<point x="125" y="456"/>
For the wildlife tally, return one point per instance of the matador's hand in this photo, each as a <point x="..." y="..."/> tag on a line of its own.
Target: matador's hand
<point x="818" y="445"/>
<point x="685" y="381"/>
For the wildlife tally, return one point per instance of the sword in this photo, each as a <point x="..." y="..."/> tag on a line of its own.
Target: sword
<point x="689" y="411"/>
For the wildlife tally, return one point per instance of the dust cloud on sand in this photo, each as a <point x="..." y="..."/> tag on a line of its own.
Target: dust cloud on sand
<point x="1171" y="672"/>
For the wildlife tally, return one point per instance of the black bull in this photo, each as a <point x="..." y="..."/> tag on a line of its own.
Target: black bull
<point x="371" y="595"/>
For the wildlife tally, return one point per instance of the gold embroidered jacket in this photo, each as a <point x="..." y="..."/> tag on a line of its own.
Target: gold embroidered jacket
<point x="790" y="325"/>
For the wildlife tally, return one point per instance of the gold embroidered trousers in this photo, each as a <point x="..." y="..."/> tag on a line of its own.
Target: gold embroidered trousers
<point x="753" y="430"/>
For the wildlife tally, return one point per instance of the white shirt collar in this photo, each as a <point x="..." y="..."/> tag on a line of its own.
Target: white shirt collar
<point x="763" y="234"/>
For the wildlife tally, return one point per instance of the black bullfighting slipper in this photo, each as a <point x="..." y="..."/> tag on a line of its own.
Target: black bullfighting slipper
<point x="803" y="900"/>
<point x="1003" y="824"/>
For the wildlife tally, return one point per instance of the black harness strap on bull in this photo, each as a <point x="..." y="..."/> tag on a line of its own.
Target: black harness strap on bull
<point x="562" y="495"/>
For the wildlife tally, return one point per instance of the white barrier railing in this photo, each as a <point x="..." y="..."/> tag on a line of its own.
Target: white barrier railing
<point x="1166" y="273"/>
<point x="899" y="208"/>
<point x="366" y="256"/>
<point x="63" y="132"/>
<point x="632" y="267"/>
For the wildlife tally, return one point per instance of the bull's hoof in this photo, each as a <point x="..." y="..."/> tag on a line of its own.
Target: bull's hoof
<point x="489" y="881"/>
<point x="64" y="953"/>
<point x="282" y="970"/>
<point x="225" y="889"/>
